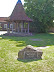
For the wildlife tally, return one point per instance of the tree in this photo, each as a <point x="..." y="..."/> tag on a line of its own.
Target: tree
<point x="42" y="13"/>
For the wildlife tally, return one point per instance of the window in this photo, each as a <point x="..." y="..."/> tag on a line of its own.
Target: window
<point x="11" y="25"/>
<point x="5" y="25"/>
<point x="0" y="24"/>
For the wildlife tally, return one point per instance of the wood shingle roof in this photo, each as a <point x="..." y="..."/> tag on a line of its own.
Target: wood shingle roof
<point x="19" y="14"/>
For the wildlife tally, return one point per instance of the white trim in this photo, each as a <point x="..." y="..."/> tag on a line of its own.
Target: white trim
<point x="11" y="26"/>
<point x="5" y="25"/>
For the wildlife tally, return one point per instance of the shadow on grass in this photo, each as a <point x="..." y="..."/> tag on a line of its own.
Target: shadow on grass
<point x="20" y="43"/>
<point x="28" y="60"/>
<point x="48" y="40"/>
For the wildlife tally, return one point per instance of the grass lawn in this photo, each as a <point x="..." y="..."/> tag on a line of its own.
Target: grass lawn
<point x="10" y="46"/>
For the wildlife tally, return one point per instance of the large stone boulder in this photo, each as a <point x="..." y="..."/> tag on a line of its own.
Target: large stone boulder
<point x="30" y="52"/>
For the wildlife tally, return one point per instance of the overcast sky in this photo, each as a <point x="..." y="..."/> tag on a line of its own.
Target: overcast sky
<point x="7" y="6"/>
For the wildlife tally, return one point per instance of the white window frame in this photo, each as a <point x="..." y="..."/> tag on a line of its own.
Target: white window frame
<point x="5" y="26"/>
<point x="11" y="26"/>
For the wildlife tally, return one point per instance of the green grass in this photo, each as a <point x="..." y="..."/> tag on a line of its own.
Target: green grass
<point x="10" y="46"/>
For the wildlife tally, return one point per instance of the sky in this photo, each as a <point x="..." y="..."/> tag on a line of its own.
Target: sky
<point x="7" y="6"/>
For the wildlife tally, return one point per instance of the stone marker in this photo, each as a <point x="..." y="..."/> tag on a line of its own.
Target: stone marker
<point x="30" y="52"/>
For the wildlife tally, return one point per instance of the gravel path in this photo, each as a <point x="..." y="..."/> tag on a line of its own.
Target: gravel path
<point x="43" y="47"/>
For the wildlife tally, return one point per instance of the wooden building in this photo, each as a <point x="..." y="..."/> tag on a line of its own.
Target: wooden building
<point x="19" y="19"/>
<point x="4" y="24"/>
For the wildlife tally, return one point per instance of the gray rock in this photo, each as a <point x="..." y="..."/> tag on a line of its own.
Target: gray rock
<point x="30" y="52"/>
